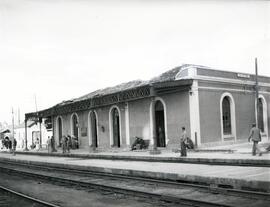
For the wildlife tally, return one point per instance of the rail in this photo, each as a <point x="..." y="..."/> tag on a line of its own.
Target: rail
<point x="71" y="179"/>
<point x="27" y="197"/>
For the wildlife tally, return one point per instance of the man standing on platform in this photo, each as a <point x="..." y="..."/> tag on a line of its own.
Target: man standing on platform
<point x="14" y="145"/>
<point x="53" y="144"/>
<point x="255" y="136"/>
<point x="49" y="144"/>
<point x="183" y="141"/>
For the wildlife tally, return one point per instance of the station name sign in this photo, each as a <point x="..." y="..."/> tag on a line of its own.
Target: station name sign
<point x="242" y="75"/>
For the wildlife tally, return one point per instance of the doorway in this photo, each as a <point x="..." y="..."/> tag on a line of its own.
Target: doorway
<point x="160" y="124"/>
<point x="59" y="128"/>
<point x="93" y="125"/>
<point x="116" y="127"/>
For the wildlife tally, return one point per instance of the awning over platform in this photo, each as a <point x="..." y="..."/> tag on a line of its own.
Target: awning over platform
<point x="5" y="131"/>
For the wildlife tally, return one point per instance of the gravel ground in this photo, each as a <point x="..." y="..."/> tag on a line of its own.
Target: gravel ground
<point x="70" y="197"/>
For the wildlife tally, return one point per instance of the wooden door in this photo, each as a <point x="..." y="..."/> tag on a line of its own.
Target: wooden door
<point x="116" y="128"/>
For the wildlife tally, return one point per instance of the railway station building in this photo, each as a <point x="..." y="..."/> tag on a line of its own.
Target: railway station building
<point x="216" y="107"/>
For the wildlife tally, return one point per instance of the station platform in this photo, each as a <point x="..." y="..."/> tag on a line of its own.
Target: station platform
<point x="168" y="165"/>
<point x="235" y="154"/>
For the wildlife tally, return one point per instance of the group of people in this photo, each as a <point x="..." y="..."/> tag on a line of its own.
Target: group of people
<point x="9" y="144"/>
<point x="69" y="142"/>
<point x="254" y="136"/>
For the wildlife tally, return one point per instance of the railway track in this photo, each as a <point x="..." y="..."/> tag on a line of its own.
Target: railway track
<point x="168" y="191"/>
<point x="8" y="195"/>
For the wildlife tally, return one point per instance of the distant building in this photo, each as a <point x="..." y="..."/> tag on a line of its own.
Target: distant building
<point x="33" y="133"/>
<point x="216" y="107"/>
<point x="4" y="132"/>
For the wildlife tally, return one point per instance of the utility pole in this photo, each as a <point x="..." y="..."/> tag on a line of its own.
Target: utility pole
<point x="19" y="120"/>
<point x="256" y="92"/>
<point x="39" y="120"/>
<point x="12" y="139"/>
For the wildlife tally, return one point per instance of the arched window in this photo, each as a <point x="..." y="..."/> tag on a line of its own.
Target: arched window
<point x="226" y="116"/>
<point x="74" y="126"/>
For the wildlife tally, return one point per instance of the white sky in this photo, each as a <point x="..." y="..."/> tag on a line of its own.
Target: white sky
<point x="62" y="49"/>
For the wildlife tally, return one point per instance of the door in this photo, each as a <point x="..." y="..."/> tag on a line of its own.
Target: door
<point x="116" y="128"/>
<point x="94" y="129"/>
<point x="160" y="126"/>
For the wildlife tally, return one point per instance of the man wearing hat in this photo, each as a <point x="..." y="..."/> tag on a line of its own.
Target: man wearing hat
<point x="255" y="136"/>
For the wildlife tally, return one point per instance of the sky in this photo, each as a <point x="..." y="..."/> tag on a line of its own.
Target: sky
<point x="57" y="50"/>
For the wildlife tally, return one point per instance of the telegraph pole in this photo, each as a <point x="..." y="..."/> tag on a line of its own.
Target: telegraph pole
<point x="12" y="139"/>
<point x="40" y="134"/>
<point x="256" y="92"/>
<point x="19" y="118"/>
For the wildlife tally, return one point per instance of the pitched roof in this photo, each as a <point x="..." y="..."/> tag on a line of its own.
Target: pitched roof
<point x="167" y="79"/>
<point x="164" y="77"/>
<point x="114" y="89"/>
<point x="106" y="91"/>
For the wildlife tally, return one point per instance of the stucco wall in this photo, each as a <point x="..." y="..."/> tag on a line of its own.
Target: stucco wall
<point x="210" y="120"/>
<point x="268" y="117"/>
<point x="102" y="121"/>
<point x="267" y="99"/>
<point x="83" y="127"/>
<point x="177" y="105"/>
<point x="209" y="116"/>
<point x="139" y="118"/>
<point x="177" y="114"/>
<point x="245" y="114"/>
<point x="65" y="127"/>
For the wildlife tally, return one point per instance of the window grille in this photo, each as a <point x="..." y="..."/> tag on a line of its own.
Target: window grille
<point x="226" y="116"/>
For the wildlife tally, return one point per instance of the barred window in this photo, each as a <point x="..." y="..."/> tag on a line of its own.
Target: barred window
<point x="226" y="116"/>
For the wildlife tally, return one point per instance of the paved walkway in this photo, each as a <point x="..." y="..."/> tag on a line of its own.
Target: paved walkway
<point x="257" y="178"/>
<point x="235" y="151"/>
